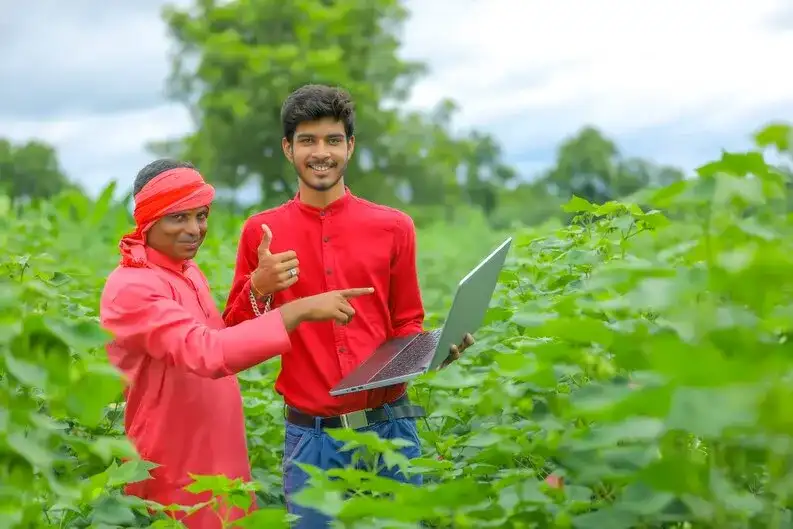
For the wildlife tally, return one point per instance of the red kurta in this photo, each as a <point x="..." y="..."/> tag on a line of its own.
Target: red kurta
<point x="351" y="243"/>
<point x="183" y="403"/>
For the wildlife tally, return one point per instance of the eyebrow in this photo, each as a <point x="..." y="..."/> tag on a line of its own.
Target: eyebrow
<point x="301" y="135"/>
<point x="202" y="209"/>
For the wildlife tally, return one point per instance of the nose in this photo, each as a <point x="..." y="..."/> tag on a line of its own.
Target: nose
<point x="193" y="227"/>
<point x="321" y="152"/>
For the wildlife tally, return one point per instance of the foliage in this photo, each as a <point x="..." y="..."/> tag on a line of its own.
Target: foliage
<point x="236" y="62"/>
<point x="634" y="370"/>
<point x="30" y="170"/>
<point x="589" y="165"/>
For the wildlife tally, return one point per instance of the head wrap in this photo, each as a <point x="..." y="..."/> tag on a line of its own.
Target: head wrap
<point x="169" y="192"/>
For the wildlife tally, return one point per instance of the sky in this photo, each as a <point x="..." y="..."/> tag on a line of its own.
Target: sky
<point x="674" y="81"/>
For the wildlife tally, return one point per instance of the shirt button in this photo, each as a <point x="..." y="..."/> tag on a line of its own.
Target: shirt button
<point x="329" y="271"/>
<point x="342" y="349"/>
<point x="321" y="213"/>
<point x="325" y="239"/>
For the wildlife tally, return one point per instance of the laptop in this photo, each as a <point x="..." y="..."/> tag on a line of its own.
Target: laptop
<point x="404" y="358"/>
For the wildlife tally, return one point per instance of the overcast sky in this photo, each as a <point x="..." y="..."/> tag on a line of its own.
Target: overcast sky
<point x="671" y="80"/>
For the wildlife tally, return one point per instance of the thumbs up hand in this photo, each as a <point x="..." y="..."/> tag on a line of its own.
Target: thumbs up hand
<point x="274" y="272"/>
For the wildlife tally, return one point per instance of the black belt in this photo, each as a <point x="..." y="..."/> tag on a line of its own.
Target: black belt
<point x="400" y="409"/>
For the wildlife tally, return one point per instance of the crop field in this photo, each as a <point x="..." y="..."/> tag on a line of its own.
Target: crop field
<point x="634" y="370"/>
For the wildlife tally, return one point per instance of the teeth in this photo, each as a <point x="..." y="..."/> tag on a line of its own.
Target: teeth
<point x="320" y="167"/>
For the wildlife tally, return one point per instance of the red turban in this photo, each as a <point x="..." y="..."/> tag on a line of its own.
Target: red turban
<point x="169" y="192"/>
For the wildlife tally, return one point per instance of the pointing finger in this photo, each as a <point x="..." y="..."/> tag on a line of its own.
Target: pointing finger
<point x="355" y="292"/>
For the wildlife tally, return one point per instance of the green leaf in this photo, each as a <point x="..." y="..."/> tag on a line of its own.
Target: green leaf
<point x="780" y="135"/>
<point x="607" y="517"/>
<point x="642" y="500"/>
<point x="712" y="412"/>
<point x="264" y="517"/>
<point x="129" y="472"/>
<point x="30" y="448"/>
<point x="110" y="510"/>
<point x="577" y="204"/>
<point x="94" y="388"/>
<point x="25" y="372"/>
<point x="217" y="485"/>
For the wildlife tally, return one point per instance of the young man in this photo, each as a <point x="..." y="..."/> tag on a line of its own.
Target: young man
<point x="183" y="403"/>
<point x="340" y="240"/>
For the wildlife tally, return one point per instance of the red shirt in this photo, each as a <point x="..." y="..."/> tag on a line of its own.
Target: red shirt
<point x="351" y="243"/>
<point x="183" y="403"/>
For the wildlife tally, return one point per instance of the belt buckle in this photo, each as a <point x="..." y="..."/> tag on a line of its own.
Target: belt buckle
<point x="354" y="419"/>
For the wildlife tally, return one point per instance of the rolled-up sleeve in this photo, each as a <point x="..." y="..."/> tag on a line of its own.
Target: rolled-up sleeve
<point x="141" y="318"/>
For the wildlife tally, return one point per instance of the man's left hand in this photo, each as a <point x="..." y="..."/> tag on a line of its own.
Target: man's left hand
<point x="456" y="350"/>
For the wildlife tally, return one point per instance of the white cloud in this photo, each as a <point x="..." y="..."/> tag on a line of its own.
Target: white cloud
<point x="98" y="148"/>
<point x="529" y="71"/>
<point x="623" y="64"/>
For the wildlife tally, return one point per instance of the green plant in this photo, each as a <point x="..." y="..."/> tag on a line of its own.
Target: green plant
<point x="633" y="371"/>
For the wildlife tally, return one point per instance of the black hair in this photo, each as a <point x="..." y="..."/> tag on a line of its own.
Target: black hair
<point x="312" y="102"/>
<point x="155" y="168"/>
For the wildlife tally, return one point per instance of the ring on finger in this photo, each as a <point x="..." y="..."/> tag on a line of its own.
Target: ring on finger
<point x="292" y="272"/>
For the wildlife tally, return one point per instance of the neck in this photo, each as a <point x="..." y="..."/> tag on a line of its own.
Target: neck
<point x="321" y="199"/>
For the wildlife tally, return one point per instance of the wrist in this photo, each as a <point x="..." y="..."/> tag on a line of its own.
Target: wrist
<point x="294" y="313"/>
<point x="303" y="309"/>
<point x="257" y="292"/>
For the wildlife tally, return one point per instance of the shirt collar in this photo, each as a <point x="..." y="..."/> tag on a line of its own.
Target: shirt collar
<point x="334" y="207"/>
<point x="160" y="259"/>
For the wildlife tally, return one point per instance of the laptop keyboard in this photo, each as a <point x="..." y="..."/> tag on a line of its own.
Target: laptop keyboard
<point x="413" y="358"/>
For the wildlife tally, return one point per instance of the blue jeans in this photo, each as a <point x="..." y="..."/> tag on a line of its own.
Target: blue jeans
<point x="315" y="447"/>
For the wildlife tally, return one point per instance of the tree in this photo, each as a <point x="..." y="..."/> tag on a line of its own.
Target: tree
<point x="237" y="61"/>
<point x="590" y="165"/>
<point x="30" y="170"/>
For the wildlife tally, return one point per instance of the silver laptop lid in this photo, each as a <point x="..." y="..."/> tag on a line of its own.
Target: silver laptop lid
<point x="471" y="301"/>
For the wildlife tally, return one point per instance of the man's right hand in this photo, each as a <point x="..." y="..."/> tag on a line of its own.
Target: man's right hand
<point x="333" y="305"/>
<point x="275" y="271"/>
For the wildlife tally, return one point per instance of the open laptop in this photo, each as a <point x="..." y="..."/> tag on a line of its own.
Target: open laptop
<point x="404" y="358"/>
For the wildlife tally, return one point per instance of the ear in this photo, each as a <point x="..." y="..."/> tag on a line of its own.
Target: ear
<point x="287" y="148"/>
<point x="350" y="146"/>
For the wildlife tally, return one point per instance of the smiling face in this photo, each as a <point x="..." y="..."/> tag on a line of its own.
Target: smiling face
<point x="179" y="235"/>
<point x="320" y="151"/>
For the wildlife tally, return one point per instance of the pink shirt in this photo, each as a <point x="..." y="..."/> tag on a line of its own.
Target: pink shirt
<point x="184" y="407"/>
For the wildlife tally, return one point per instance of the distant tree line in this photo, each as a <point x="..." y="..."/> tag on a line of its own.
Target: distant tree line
<point x="235" y="62"/>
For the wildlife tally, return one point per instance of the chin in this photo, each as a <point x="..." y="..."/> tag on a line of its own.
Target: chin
<point x="321" y="184"/>
<point x="188" y="254"/>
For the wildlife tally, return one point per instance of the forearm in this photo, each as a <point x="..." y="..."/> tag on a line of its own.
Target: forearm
<point x="240" y="306"/>
<point x="216" y="353"/>
<point x="408" y="327"/>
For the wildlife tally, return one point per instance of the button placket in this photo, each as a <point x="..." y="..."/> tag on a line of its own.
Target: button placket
<point x="344" y="358"/>
<point x="197" y="293"/>
<point x="327" y="254"/>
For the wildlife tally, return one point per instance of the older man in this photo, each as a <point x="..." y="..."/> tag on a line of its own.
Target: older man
<point x="183" y="403"/>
